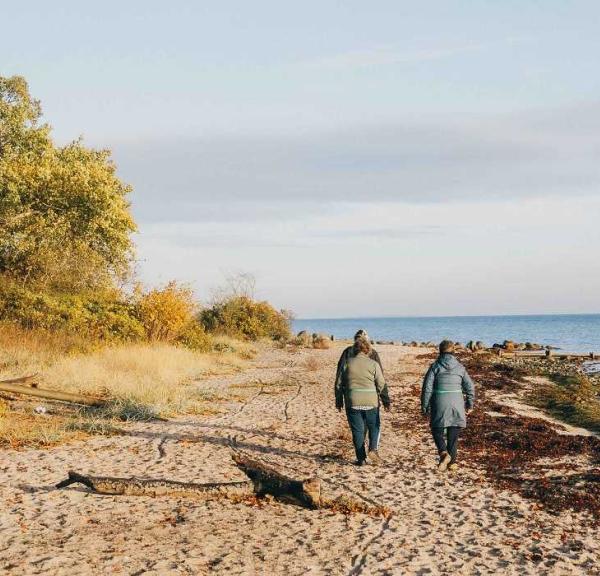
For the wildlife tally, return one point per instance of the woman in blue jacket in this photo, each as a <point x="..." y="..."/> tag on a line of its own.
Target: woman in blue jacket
<point x="448" y="395"/>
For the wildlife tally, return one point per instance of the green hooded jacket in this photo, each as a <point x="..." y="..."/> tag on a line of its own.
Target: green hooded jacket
<point x="384" y="395"/>
<point x="360" y="382"/>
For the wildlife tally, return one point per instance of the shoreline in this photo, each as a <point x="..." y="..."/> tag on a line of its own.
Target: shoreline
<point x="569" y="333"/>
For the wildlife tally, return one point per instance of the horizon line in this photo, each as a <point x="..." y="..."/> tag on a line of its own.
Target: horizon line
<point x="451" y="316"/>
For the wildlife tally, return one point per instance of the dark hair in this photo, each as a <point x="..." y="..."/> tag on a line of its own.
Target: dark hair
<point x="446" y="346"/>
<point x="362" y="345"/>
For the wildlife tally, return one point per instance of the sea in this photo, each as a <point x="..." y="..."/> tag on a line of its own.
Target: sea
<point x="577" y="333"/>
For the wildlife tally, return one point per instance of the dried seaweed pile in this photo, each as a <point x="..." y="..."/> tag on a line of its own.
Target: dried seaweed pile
<point x="510" y="447"/>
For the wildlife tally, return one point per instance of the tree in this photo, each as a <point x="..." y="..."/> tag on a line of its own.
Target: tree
<point x="64" y="216"/>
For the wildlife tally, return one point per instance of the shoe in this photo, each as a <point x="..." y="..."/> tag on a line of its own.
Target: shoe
<point x="374" y="457"/>
<point x="360" y="463"/>
<point x="445" y="459"/>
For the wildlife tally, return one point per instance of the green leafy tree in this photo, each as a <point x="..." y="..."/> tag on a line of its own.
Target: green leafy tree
<point x="65" y="222"/>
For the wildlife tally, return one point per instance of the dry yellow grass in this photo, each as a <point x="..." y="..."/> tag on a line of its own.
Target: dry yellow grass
<point x="18" y="429"/>
<point x="141" y="381"/>
<point x="312" y="363"/>
<point x="153" y="377"/>
<point x="27" y="352"/>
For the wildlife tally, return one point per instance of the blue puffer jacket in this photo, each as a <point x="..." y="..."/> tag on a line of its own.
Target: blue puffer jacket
<point x="447" y="390"/>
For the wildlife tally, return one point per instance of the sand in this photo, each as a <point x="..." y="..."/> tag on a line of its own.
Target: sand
<point x="281" y="411"/>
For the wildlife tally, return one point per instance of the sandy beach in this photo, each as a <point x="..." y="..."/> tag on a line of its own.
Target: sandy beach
<point x="280" y="411"/>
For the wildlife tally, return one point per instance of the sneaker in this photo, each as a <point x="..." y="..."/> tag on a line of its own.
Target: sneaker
<point x="445" y="459"/>
<point x="360" y="463"/>
<point x="374" y="457"/>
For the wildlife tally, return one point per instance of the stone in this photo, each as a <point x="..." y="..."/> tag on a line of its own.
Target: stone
<point x="508" y="345"/>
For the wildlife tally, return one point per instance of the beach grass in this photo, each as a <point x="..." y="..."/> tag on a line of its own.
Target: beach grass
<point x="138" y="381"/>
<point x="574" y="399"/>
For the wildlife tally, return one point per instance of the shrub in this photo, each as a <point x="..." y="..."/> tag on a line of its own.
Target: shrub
<point x="242" y="317"/>
<point x="194" y="337"/>
<point x="312" y="363"/>
<point x="166" y="312"/>
<point x="321" y="342"/>
<point x="303" y="339"/>
<point x="100" y="317"/>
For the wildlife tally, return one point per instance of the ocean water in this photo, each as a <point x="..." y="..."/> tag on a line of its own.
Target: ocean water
<point x="569" y="332"/>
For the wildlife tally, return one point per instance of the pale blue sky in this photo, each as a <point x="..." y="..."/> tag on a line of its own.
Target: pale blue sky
<point x="360" y="158"/>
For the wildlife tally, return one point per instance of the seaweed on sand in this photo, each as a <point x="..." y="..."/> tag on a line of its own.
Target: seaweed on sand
<point x="510" y="447"/>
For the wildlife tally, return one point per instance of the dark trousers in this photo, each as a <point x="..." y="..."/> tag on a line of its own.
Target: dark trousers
<point x="451" y="444"/>
<point x="360" y="422"/>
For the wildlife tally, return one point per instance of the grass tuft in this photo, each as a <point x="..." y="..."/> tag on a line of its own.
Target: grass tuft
<point x="573" y="399"/>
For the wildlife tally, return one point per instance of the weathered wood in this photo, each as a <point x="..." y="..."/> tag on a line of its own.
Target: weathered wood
<point x="20" y="380"/>
<point x="267" y="480"/>
<point x="149" y="487"/>
<point x="263" y="481"/>
<point x="7" y="386"/>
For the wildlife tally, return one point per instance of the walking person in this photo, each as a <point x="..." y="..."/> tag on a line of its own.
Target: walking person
<point x="448" y="395"/>
<point x="359" y="386"/>
<point x="349" y="351"/>
<point x="384" y="397"/>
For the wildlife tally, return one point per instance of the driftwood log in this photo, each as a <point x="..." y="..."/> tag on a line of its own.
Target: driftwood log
<point x="15" y="388"/>
<point x="147" y="487"/>
<point x="21" y="380"/>
<point x="267" y="480"/>
<point x="263" y="481"/>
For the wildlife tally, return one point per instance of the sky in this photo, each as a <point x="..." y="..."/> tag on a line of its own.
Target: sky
<point x="380" y="158"/>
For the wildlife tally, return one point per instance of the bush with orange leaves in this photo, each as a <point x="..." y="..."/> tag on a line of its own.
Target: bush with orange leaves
<point x="167" y="314"/>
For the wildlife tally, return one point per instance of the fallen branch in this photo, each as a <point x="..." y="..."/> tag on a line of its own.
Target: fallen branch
<point x="263" y="481"/>
<point x="146" y="487"/>
<point x="20" y="380"/>
<point x="10" y="386"/>
<point x="267" y="480"/>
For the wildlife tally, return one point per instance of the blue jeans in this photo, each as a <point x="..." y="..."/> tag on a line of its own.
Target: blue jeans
<point x="361" y="422"/>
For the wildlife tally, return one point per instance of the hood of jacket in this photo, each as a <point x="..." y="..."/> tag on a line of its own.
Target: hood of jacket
<point x="448" y="361"/>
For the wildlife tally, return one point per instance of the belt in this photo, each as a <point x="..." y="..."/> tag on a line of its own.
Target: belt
<point x="446" y="391"/>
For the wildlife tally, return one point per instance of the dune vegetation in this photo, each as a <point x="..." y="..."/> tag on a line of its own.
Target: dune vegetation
<point x="71" y="310"/>
<point x="575" y="399"/>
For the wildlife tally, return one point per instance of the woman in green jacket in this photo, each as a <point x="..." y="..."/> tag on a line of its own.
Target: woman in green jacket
<point x="358" y="386"/>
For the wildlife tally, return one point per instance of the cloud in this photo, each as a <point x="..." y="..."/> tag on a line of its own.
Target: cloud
<point x="287" y="178"/>
<point x="387" y="55"/>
